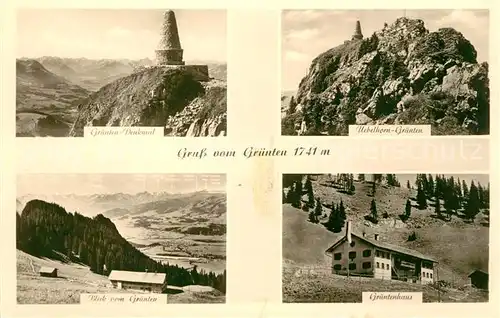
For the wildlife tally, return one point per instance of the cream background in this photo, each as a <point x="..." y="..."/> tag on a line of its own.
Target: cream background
<point x="253" y="185"/>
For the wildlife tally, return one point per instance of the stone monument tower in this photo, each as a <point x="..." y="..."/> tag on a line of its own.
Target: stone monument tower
<point x="357" y="32"/>
<point x="169" y="50"/>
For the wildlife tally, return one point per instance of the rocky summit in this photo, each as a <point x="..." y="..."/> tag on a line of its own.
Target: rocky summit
<point x="157" y="96"/>
<point x="401" y="74"/>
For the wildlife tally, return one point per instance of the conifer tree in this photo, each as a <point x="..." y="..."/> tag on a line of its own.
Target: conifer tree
<point x="407" y="209"/>
<point x="361" y="177"/>
<point x="352" y="188"/>
<point x="312" y="217"/>
<point x="458" y="193"/>
<point x="334" y="223"/>
<point x="473" y="204"/>
<point x="430" y="187"/>
<point x="373" y="210"/>
<point x="421" y="198"/>
<point x="465" y="190"/>
<point x="318" y="210"/>
<point x="408" y="184"/>
<point x="309" y="190"/>
<point x="342" y="213"/>
<point x="437" y="208"/>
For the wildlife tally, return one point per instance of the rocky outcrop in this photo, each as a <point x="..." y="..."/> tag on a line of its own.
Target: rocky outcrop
<point x="402" y="74"/>
<point x="156" y="96"/>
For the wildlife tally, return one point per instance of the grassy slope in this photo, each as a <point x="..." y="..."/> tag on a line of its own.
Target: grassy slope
<point x="76" y="279"/>
<point x="458" y="246"/>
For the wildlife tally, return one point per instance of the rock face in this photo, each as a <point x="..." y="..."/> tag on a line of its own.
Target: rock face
<point x="402" y="74"/>
<point x="157" y="96"/>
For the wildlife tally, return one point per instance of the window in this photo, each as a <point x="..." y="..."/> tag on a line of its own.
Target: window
<point x="378" y="265"/>
<point x="337" y="256"/>
<point x="367" y="265"/>
<point x="383" y="265"/>
<point x="352" y="266"/>
<point x="377" y="253"/>
<point x="367" y="253"/>
<point x="427" y="275"/>
<point x="337" y="267"/>
<point x="352" y="255"/>
<point x="431" y="275"/>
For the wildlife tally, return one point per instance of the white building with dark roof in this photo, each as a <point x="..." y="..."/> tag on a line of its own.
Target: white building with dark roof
<point x="356" y="254"/>
<point x="143" y="281"/>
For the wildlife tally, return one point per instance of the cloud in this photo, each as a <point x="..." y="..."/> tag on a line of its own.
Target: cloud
<point x="303" y="34"/>
<point x="470" y="18"/>
<point x="295" y="56"/>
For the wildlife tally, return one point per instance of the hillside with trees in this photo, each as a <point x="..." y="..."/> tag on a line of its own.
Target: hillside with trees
<point x="47" y="230"/>
<point x="443" y="216"/>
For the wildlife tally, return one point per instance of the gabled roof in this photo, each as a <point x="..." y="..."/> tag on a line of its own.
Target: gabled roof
<point x="46" y="269"/>
<point x="480" y="271"/>
<point x="384" y="245"/>
<point x="138" y="277"/>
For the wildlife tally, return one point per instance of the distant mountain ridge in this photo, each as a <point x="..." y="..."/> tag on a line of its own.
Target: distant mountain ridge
<point x="93" y="204"/>
<point x="92" y="74"/>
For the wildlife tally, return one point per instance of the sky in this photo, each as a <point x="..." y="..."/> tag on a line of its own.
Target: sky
<point x="484" y="179"/>
<point x="87" y="184"/>
<point x="117" y="34"/>
<point x="468" y="178"/>
<point x="307" y="33"/>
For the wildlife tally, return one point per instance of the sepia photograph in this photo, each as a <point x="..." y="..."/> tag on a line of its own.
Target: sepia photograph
<point x="78" y="68"/>
<point x="385" y="67"/>
<point x="121" y="233"/>
<point x="346" y="234"/>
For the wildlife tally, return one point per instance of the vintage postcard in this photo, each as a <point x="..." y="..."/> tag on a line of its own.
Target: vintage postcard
<point x="86" y="236"/>
<point x="347" y="235"/>
<point x="385" y="67"/>
<point x="161" y="69"/>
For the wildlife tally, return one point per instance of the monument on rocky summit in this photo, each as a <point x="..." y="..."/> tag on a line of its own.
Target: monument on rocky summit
<point x="169" y="52"/>
<point x="357" y="32"/>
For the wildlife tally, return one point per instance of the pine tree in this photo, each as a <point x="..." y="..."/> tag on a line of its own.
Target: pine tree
<point x="437" y="208"/>
<point x="408" y="184"/>
<point x="342" y="213"/>
<point x="407" y="209"/>
<point x="373" y="210"/>
<point x="352" y="188"/>
<point x="430" y="187"/>
<point x="473" y="204"/>
<point x="334" y="223"/>
<point x="465" y="190"/>
<point x="318" y="210"/>
<point x="312" y="217"/>
<point x="421" y="198"/>
<point x="459" y="195"/>
<point x="309" y="190"/>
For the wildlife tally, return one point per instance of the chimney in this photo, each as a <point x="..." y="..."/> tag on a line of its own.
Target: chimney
<point x="376" y="237"/>
<point x="348" y="231"/>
